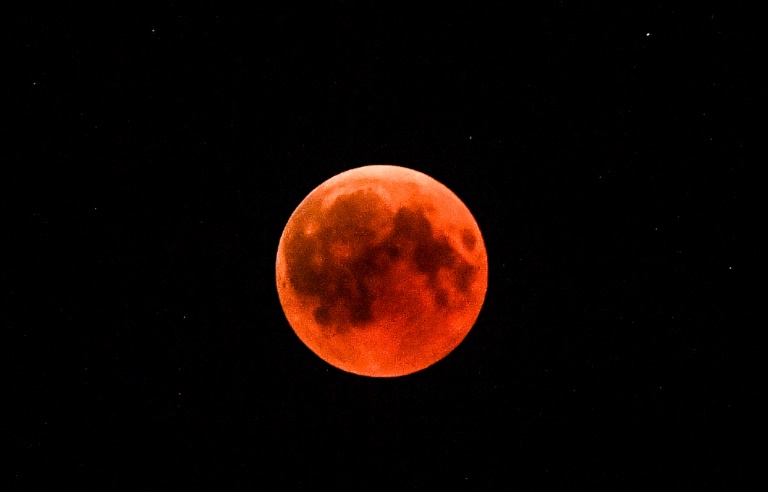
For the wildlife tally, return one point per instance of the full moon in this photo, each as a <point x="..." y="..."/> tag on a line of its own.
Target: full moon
<point x="381" y="271"/>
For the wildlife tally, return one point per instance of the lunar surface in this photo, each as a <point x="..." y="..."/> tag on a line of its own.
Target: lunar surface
<point x="381" y="271"/>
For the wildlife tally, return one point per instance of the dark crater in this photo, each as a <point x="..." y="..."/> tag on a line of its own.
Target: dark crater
<point x="352" y="284"/>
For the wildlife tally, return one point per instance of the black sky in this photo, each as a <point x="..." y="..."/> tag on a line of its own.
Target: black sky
<point x="155" y="155"/>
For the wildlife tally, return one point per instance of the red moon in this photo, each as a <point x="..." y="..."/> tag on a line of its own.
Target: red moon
<point x="381" y="271"/>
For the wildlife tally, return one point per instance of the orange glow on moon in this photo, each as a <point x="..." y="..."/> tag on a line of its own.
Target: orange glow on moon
<point x="381" y="271"/>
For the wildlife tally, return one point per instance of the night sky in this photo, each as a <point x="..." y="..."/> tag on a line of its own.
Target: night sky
<point x="153" y="157"/>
